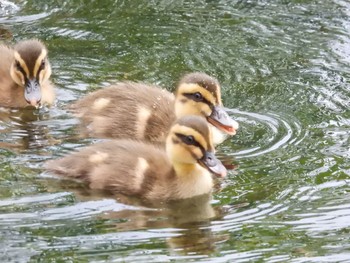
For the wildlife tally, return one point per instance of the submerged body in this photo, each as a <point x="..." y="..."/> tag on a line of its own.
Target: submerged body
<point x="140" y="169"/>
<point x="24" y="75"/>
<point x="146" y="112"/>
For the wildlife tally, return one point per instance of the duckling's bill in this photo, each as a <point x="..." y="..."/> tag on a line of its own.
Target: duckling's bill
<point x="32" y="92"/>
<point x="220" y="119"/>
<point x="214" y="165"/>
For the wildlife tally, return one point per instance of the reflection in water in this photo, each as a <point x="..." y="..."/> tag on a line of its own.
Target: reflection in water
<point x="190" y="220"/>
<point x="21" y="129"/>
<point x="5" y="34"/>
<point x="187" y="220"/>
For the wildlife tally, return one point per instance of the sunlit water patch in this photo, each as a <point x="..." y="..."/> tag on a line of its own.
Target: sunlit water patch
<point x="8" y="7"/>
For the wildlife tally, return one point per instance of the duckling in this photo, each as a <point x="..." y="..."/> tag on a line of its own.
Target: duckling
<point x="24" y="74"/>
<point x="146" y="112"/>
<point x="140" y="169"/>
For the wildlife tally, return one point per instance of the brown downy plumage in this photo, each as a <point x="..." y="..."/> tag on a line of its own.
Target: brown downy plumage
<point x="140" y="111"/>
<point x="24" y="75"/>
<point x="140" y="169"/>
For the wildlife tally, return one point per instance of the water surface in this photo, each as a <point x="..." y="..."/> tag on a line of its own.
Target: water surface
<point x="284" y="68"/>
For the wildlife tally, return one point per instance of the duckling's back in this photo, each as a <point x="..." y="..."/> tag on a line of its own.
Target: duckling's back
<point x="123" y="166"/>
<point x="127" y="110"/>
<point x="6" y="57"/>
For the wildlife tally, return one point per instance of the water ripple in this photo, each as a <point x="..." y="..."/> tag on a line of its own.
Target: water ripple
<point x="75" y="34"/>
<point x="23" y="19"/>
<point x="267" y="132"/>
<point x="331" y="216"/>
<point x="75" y="212"/>
<point x="338" y="257"/>
<point x="233" y="222"/>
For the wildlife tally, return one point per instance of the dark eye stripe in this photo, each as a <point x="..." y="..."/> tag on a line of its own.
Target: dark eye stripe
<point x="191" y="96"/>
<point x="194" y="143"/>
<point x="20" y="69"/>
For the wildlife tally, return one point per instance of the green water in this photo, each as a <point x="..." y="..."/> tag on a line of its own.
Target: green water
<point x="284" y="68"/>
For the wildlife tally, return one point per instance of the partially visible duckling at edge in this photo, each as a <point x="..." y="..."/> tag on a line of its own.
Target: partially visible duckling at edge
<point x="24" y="75"/>
<point x="144" y="170"/>
<point x="140" y="111"/>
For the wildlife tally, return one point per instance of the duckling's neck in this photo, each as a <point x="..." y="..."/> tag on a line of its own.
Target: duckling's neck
<point x="192" y="180"/>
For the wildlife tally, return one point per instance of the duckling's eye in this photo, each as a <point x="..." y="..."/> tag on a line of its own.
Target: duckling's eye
<point x="189" y="139"/>
<point x="197" y="96"/>
<point x="18" y="65"/>
<point x="42" y="65"/>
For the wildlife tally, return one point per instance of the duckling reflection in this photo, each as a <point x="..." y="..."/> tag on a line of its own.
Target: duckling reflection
<point x="177" y="213"/>
<point x="190" y="219"/>
<point x="5" y="34"/>
<point x="20" y="129"/>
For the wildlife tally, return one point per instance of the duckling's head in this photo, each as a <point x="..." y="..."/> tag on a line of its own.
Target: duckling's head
<point x="31" y="69"/>
<point x="200" y="94"/>
<point x="189" y="142"/>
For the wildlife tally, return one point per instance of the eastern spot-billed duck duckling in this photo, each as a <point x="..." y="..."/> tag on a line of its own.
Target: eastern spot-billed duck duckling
<point x="140" y="111"/>
<point x="24" y="73"/>
<point x="144" y="170"/>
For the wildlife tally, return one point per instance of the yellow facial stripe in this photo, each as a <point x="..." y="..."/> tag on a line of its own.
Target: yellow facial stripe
<point x="218" y="94"/>
<point x="183" y="152"/>
<point x="190" y="107"/>
<point x="22" y="63"/>
<point x="192" y="88"/>
<point x="189" y="131"/>
<point x="38" y="61"/>
<point x="197" y="153"/>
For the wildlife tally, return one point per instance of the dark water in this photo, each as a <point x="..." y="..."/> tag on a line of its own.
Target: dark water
<point x="284" y="68"/>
